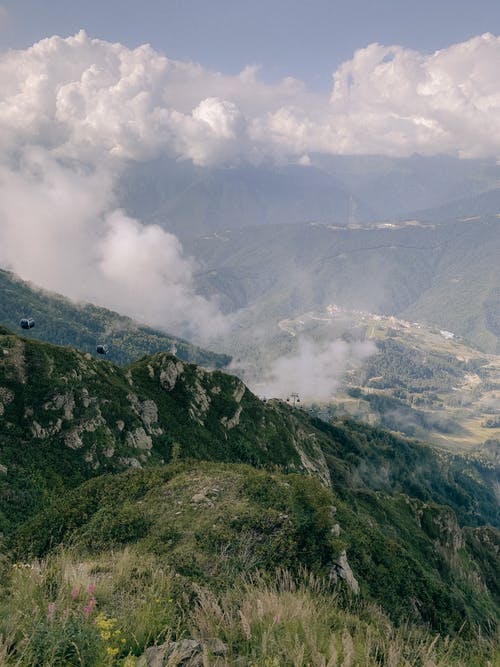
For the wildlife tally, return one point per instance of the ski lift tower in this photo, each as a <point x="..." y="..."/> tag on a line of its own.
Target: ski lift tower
<point x="293" y="398"/>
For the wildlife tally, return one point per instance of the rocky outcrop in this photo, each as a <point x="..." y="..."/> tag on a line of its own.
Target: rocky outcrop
<point x="170" y="373"/>
<point x="342" y="570"/>
<point x="314" y="459"/>
<point x="186" y="652"/>
<point x="232" y="421"/>
<point x="139" y="439"/>
<point x="147" y="411"/>
<point x="6" y="397"/>
<point x="200" y="403"/>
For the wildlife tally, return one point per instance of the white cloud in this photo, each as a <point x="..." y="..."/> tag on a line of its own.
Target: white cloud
<point x="395" y="101"/>
<point x="74" y="111"/>
<point x="144" y="273"/>
<point x="87" y="97"/>
<point x="60" y="229"/>
<point x="314" y="371"/>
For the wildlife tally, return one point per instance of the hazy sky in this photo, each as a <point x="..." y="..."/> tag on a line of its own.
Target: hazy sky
<point x="306" y="39"/>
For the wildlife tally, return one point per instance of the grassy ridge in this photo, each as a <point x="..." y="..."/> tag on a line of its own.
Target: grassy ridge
<point x="101" y="463"/>
<point x="106" y="610"/>
<point x="208" y="522"/>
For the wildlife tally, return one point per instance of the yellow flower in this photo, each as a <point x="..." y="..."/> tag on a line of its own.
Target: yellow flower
<point x="105" y="635"/>
<point x="111" y="650"/>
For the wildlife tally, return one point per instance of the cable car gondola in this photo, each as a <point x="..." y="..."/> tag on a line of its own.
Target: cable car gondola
<point x="27" y="323"/>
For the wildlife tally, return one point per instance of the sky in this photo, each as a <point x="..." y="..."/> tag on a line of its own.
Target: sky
<point x="87" y="88"/>
<point x="299" y="38"/>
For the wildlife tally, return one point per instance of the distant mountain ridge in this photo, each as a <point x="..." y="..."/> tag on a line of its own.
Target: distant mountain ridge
<point x="477" y="206"/>
<point x="190" y="200"/>
<point x="63" y="322"/>
<point x="446" y="275"/>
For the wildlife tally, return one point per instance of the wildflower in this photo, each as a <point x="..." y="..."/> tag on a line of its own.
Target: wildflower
<point x="74" y="592"/>
<point x="89" y="607"/>
<point x="91" y="589"/>
<point x="111" y="650"/>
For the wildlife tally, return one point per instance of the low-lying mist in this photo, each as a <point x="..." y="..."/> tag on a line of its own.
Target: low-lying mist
<point x="314" y="369"/>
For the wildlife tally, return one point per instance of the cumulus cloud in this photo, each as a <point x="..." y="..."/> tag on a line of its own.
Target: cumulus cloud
<point x="145" y="266"/>
<point x="81" y="96"/>
<point x="314" y="370"/>
<point x="75" y="111"/>
<point x="60" y="229"/>
<point x="87" y="98"/>
<point x="394" y="100"/>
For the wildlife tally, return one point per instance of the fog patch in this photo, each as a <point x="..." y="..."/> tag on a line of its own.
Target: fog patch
<point x="314" y="371"/>
<point x="59" y="228"/>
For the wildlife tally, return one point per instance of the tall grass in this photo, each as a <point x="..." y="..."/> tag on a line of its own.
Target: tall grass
<point x="106" y="611"/>
<point x="301" y="622"/>
<point x="95" y="612"/>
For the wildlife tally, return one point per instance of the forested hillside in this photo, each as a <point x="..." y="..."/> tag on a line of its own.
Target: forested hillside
<point x="63" y="322"/>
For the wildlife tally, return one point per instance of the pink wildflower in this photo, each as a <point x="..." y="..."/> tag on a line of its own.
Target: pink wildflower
<point x="91" y="589"/>
<point x="89" y="607"/>
<point x="74" y="592"/>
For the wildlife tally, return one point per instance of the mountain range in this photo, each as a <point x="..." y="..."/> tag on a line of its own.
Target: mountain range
<point x="155" y="511"/>
<point x="412" y="522"/>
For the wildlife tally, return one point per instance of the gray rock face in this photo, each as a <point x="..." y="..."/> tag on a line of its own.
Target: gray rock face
<point x="147" y="410"/>
<point x="233" y="421"/>
<point x="64" y="402"/>
<point x="186" y="652"/>
<point x="342" y="570"/>
<point x="170" y="373"/>
<point x="139" y="439"/>
<point x="6" y="397"/>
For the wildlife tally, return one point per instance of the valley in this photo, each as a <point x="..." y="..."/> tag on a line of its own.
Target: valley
<point x="249" y="334"/>
<point x="421" y="381"/>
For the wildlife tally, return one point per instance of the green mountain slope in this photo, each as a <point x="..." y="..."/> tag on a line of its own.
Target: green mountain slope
<point x="61" y="321"/>
<point x="184" y="557"/>
<point x="68" y="416"/>
<point x="207" y="521"/>
<point x="190" y="200"/>
<point x="83" y="448"/>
